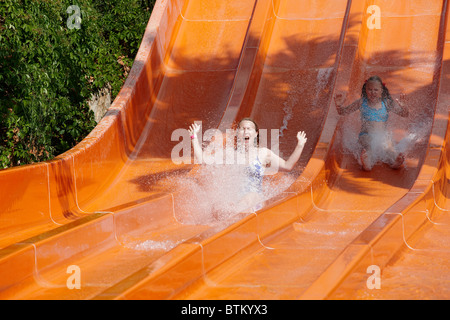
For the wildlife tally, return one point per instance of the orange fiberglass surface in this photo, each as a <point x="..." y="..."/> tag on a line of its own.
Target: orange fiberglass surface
<point x="116" y="218"/>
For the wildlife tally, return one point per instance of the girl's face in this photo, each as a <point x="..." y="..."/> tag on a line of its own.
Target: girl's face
<point x="374" y="91"/>
<point x="247" y="132"/>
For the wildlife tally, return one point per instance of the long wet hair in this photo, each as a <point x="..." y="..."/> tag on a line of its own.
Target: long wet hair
<point x="385" y="95"/>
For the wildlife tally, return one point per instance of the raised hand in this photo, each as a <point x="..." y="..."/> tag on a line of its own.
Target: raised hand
<point x="401" y="100"/>
<point x="400" y="106"/>
<point x="194" y="129"/>
<point x="339" y="100"/>
<point x="301" y="138"/>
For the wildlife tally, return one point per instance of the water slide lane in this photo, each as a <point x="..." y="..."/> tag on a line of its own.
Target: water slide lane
<point x="277" y="66"/>
<point x="413" y="236"/>
<point x="310" y="226"/>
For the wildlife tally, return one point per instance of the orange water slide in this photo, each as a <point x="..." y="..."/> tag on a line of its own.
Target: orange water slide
<point x="113" y="207"/>
<point x="347" y="225"/>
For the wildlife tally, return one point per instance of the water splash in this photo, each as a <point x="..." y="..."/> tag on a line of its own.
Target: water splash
<point x="288" y="110"/>
<point x="383" y="140"/>
<point x="148" y="245"/>
<point x="214" y="193"/>
<point x="140" y="244"/>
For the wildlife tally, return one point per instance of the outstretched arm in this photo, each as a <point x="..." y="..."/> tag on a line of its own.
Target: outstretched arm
<point x="398" y="106"/>
<point x="194" y="129"/>
<point x="288" y="165"/>
<point x="339" y="100"/>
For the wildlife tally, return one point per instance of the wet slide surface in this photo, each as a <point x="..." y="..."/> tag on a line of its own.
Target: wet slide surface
<point x="138" y="226"/>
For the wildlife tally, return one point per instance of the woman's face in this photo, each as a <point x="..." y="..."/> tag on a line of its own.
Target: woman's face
<point x="374" y="91"/>
<point x="247" y="133"/>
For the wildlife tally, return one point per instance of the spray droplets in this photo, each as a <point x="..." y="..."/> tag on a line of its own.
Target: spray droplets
<point x="214" y="193"/>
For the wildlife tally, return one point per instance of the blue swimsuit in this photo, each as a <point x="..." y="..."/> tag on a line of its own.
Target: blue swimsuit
<point x="255" y="173"/>
<point x="371" y="114"/>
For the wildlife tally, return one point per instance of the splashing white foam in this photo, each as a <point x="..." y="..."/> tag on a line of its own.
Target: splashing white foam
<point x="215" y="192"/>
<point x="382" y="142"/>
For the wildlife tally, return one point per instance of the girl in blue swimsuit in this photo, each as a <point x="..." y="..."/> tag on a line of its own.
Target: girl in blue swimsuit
<point x="375" y="105"/>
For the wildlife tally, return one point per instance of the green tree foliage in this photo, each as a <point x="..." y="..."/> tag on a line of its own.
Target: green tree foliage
<point x="49" y="70"/>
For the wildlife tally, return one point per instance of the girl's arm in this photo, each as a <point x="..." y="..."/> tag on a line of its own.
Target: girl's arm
<point x="198" y="152"/>
<point x="288" y="165"/>
<point x="339" y="101"/>
<point x="398" y="106"/>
